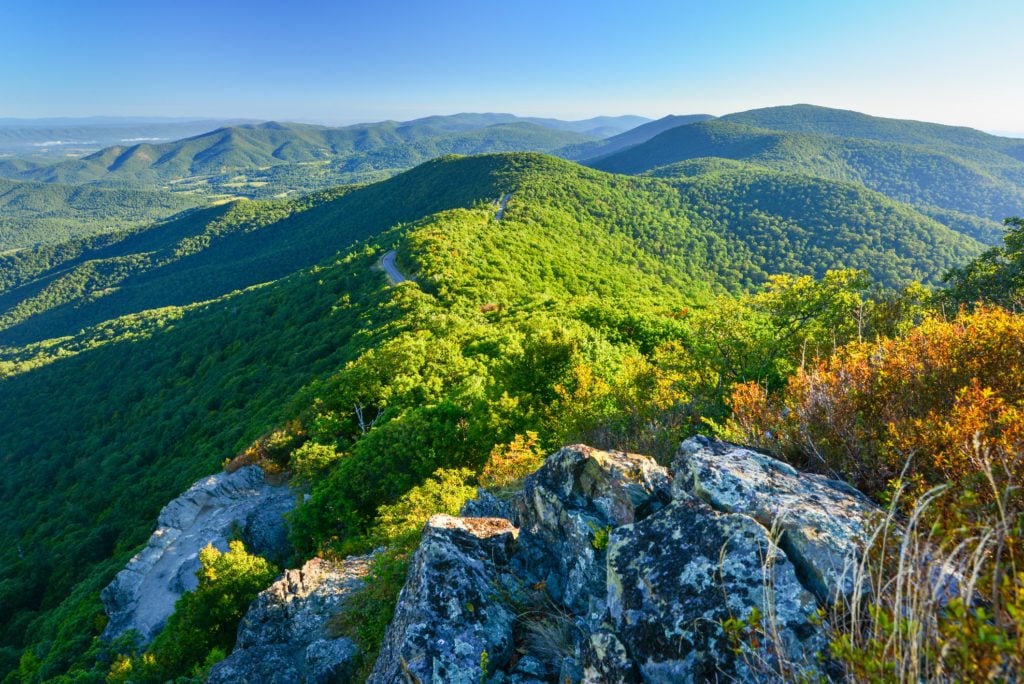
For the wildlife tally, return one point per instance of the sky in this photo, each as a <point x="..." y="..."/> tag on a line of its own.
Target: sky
<point x="346" y="61"/>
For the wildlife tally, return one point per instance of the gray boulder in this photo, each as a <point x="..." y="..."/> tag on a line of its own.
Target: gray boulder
<point x="639" y="567"/>
<point x="450" y="612"/>
<point x="286" y="632"/>
<point x="487" y="505"/>
<point x="820" y="523"/>
<point x="567" y="509"/>
<point x="142" y="596"/>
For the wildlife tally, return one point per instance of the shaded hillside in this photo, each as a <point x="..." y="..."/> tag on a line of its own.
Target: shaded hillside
<point x="735" y="232"/>
<point x="33" y="213"/>
<point x="796" y="223"/>
<point x="56" y="291"/>
<point x="634" y="136"/>
<point x="939" y="183"/>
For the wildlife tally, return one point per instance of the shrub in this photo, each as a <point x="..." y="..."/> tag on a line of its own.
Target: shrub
<point x="509" y="463"/>
<point x="912" y="406"/>
<point x="936" y="598"/>
<point x="443" y="492"/>
<point x="310" y="460"/>
<point x="933" y="423"/>
<point x="202" y="628"/>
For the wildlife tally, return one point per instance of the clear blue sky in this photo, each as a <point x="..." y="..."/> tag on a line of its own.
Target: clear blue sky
<point x="346" y="60"/>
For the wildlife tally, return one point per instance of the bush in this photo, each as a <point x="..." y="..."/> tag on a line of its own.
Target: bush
<point x="444" y="492"/>
<point x="509" y="463"/>
<point x="309" y="460"/>
<point x="203" y="626"/>
<point x="913" y="406"/>
<point x="933" y="423"/>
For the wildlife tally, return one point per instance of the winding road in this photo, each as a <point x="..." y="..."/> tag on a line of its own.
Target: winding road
<point x="501" y="205"/>
<point x="387" y="262"/>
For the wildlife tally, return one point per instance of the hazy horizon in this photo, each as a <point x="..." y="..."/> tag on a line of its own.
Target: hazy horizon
<point x="70" y="120"/>
<point x="944" y="62"/>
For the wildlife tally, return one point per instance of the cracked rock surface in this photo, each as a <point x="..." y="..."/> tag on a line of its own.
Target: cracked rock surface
<point x="607" y="567"/>
<point x="141" y="597"/>
<point x="285" y="636"/>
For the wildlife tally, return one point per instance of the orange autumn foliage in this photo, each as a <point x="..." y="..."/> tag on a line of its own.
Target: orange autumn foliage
<point x="941" y="401"/>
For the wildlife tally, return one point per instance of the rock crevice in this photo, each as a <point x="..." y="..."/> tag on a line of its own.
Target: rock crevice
<point x="212" y="511"/>
<point x="286" y="637"/>
<point x="629" y="570"/>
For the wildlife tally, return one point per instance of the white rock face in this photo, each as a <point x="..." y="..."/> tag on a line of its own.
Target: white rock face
<point x="211" y="511"/>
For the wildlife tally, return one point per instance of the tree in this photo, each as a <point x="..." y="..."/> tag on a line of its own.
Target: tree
<point x="997" y="276"/>
<point x="207" y="619"/>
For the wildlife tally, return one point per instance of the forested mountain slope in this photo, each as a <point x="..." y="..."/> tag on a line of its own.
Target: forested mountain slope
<point x="966" y="194"/>
<point x="634" y="136"/>
<point x="508" y="324"/>
<point x="226" y="152"/>
<point x="797" y="223"/>
<point x="805" y="118"/>
<point x="55" y="291"/>
<point x="55" y="199"/>
<point x="32" y="213"/>
<point x="727" y="230"/>
<point x="96" y="442"/>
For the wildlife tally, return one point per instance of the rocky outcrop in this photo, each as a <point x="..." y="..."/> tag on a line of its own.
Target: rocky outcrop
<point x="212" y="511"/>
<point x="568" y="508"/>
<point x="451" y="620"/>
<point x="286" y="637"/>
<point x="622" y="570"/>
<point x="817" y="521"/>
<point x="675" y="578"/>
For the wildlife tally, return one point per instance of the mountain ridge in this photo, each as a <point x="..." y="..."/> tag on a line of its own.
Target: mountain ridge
<point x="988" y="185"/>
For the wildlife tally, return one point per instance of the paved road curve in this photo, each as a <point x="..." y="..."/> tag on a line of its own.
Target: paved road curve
<point x="501" y="206"/>
<point x="387" y="262"/>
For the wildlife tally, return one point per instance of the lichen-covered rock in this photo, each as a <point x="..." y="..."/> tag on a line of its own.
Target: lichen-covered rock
<point x="676" y="577"/>
<point x="450" y="611"/>
<point x="288" y="624"/>
<point x="486" y="505"/>
<point x="820" y="522"/>
<point x="567" y="509"/>
<point x="271" y="665"/>
<point x="605" y="659"/>
<point x="331" y="661"/>
<point x="643" y="567"/>
<point x="142" y="596"/>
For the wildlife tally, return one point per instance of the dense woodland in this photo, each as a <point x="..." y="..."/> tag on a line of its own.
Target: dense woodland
<point x="725" y="296"/>
<point x="934" y="173"/>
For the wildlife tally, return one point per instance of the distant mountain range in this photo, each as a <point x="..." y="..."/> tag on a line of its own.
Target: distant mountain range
<point x="964" y="178"/>
<point x="60" y="137"/>
<point x="247" y="158"/>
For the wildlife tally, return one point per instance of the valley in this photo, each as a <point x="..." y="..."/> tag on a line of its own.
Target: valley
<point x="385" y="317"/>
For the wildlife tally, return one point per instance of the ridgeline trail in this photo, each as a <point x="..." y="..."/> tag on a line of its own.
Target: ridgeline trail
<point x="387" y="262"/>
<point x="501" y="205"/>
